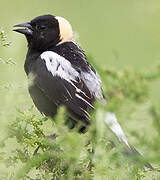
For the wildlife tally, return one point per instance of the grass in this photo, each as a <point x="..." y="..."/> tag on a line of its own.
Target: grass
<point x="81" y="156"/>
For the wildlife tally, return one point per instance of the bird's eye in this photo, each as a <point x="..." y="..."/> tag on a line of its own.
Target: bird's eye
<point x="42" y="27"/>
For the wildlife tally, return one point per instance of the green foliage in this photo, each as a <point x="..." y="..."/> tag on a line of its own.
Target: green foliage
<point x="26" y="153"/>
<point x="3" y="39"/>
<point x="82" y="156"/>
<point x="5" y="43"/>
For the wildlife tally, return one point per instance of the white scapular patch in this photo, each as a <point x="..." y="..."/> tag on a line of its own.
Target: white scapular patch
<point x="59" y="66"/>
<point x="112" y="123"/>
<point x="66" y="33"/>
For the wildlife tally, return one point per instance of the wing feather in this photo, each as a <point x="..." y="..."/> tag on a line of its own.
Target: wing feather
<point x="64" y="85"/>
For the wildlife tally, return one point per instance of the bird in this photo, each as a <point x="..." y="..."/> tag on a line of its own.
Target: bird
<point x="61" y="75"/>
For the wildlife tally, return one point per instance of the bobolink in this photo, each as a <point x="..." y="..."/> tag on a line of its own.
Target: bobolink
<point x="61" y="74"/>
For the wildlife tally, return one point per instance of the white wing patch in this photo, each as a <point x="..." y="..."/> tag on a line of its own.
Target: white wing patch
<point x="59" y="66"/>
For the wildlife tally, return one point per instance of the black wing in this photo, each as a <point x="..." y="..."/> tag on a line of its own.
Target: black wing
<point x="64" y="85"/>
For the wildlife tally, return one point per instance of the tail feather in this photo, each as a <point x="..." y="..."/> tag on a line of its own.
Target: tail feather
<point x="134" y="151"/>
<point x="112" y="122"/>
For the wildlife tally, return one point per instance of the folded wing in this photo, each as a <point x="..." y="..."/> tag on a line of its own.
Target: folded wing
<point x="64" y="85"/>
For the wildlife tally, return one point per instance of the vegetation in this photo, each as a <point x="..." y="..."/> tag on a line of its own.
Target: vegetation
<point x="26" y="153"/>
<point x="5" y="43"/>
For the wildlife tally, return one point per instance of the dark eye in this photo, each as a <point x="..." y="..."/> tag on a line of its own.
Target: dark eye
<point x="42" y="27"/>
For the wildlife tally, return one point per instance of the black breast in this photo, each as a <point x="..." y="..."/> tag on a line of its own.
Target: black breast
<point x="41" y="101"/>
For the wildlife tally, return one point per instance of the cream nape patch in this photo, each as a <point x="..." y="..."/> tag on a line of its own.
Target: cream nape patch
<point x="66" y="33"/>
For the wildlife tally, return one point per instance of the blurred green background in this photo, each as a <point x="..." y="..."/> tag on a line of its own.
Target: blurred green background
<point x="117" y="34"/>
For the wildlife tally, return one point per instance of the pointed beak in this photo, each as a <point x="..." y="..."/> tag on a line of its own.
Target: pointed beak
<point x="26" y="28"/>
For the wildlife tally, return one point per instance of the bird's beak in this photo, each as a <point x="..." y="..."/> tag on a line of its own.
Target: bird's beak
<point x="27" y="28"/>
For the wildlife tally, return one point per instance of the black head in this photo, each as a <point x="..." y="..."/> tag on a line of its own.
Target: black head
<point x="45" y="31"/>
